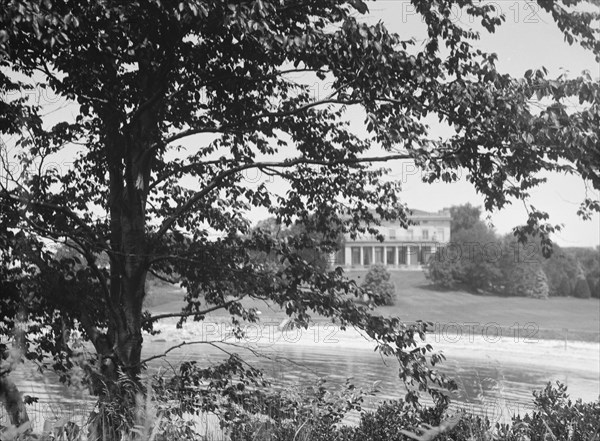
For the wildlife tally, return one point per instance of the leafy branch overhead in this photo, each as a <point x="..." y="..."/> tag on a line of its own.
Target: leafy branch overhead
<point x="163" y="108"/>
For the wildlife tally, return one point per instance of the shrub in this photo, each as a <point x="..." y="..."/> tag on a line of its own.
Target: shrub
<point x="441" y="272"/>
<point x="378" y="286"/>
<point x="385" y="423"/>
<point x="315" y="414"/>
<point x="307" y="414"/>
<point x="555" y="417"/>
<point x="589" y="260"/>
<point x="594" y="285"/>
<point x="528" y="280"/>
<point x="540" y="289"/>
<point x="467" y="262"/>
<point x="582" y="290"/>
<point x="561" y="269"/>
<point x="565" y="288"/>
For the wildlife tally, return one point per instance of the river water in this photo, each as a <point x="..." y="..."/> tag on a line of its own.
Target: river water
<point x="496" y="376"/>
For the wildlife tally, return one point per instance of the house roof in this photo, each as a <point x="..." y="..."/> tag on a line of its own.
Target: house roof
<point x="425" y="215"/>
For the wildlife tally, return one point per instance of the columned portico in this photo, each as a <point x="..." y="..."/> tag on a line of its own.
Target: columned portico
<point x="397" y="256"/>
<point x="404" y="247"/>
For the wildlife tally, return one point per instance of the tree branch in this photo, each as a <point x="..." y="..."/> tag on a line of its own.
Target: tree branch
<point x="231" y="127"/>
<point x="46" y="70"/>
<point x="164" y="279"/>
<point x="287" y="163"/>
<point x="185" y="168"/>
<point x="91" y="261"/>
<point x="88" y="255"/>
<point x="214" y="344"/>
<point x="64" y="210"/>
<point x="172" y="348"/>
<point x="155" y="318"/>
<point x="91" y="330"/>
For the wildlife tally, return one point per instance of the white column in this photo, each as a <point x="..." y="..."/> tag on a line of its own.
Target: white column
<point x="348" y="257"/>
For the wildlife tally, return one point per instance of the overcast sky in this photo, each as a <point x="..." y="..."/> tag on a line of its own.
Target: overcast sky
<point x="528" y="39"/>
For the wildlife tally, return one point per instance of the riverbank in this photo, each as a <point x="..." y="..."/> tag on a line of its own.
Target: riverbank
<point x="503" y="349"/>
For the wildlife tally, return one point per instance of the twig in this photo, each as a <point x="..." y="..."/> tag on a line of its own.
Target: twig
<point x="155" y="318"/>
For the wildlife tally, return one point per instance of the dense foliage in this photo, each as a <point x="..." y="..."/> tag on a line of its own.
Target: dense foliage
<point x="304" y="241"/>
<point x="569" y="267"/>
<point x="554" y="416"/>
<point x="589" y="263"/>
<point x="164" y="107"/>
<point x="522" y="272"/>
<point x="466" y="262"/>
<point x="480" y="261"/>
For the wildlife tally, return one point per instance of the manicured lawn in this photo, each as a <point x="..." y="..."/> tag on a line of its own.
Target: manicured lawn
<point x="416" y="300"/>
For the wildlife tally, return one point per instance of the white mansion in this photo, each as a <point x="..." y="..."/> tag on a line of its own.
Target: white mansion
<point x="402" y="248"/>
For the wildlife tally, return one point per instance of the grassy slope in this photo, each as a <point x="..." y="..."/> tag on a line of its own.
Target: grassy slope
<point x="417" y="301"/>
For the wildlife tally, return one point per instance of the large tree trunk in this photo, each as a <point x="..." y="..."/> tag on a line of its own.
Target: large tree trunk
<point x="13" y="401"/>
<point x="120" y="348"/>
<point x="120" y="351"/>
<point x="129" y="172"/>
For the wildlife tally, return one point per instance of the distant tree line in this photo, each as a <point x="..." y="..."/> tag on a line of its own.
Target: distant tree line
<point x="479" y="260"/>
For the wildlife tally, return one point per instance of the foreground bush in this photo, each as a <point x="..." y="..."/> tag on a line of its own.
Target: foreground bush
<point x="555" y="417"/>
<point x="317" y="416"/>
<point x="315" y="413"/>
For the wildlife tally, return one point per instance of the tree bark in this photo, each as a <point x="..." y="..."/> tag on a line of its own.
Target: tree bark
<point x="119" y="349"/>
<point x="13" y="401"/>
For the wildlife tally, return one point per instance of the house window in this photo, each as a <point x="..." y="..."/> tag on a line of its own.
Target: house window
<point x="392" y="233"/>
<point x="378" y="254"/>
<point x="440" y="234"/>
<point x="367" y="256"/>
<point x="390" y="255"/>
<point x="355" y="255"/>
<point x="425" y="234"/>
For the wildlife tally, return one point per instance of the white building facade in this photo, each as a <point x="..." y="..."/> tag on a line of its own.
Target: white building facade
<point x="402" y="248"/>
